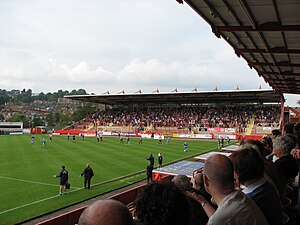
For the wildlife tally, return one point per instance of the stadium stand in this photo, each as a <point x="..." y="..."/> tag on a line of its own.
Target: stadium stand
<point x="184" y="119"/>
<point x="258" y="33"/>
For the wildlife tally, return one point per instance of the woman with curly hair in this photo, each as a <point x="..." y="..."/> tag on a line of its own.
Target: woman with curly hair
<point x="162" y="204"/>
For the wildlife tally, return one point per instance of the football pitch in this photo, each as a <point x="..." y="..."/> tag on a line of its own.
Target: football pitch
<point x="28" y="188"/>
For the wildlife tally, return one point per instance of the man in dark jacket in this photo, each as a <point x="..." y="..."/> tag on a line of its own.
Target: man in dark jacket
<point x="149" y="173"/>
<point x="151" y="160"/>
<point x="88" y="174"/>
<point x="64" y="176"/>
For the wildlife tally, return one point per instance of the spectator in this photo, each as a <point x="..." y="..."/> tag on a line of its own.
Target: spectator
<point x="151" y="159"/>
<point x="149" y="170"/>
<point x="198" y="216"/>
<point x="275" y="133"/>
<point x="88" y="173"/>
<point x="160" y="159"/>
<point x="234" y="207"/>
<point x="106" y="212"/>
<point x="273" y="172"/>
<point x="162" y="204"/>
<point x="282" y="147"/>
<point x="199" y="187"/>
<point x="189" y="117"/>
<point x="296" y="154"/>
<point x="249" y="167"/>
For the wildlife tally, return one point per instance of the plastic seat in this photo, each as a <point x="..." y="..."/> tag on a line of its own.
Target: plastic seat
<point x="285" y="202"/>
<point x="285" y="218"/>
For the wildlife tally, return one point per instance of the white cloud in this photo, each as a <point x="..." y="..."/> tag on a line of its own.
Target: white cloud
<point x="101" y="45"/>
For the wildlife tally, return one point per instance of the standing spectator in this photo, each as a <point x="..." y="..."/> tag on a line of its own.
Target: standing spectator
<point x="234" y="207"/>
<point x="64" y="176"/>
<point x="106" y="212"/>
<point x="151" y="159"/>
<point x="88" y="173"/>
<point x="160" y="160"/>
<point x="149" y="173"/>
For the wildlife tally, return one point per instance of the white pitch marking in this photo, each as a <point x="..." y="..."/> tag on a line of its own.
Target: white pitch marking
<point x="30" y="181"/>
<point x="45" y="199"/>
<point x="38" y="201"/>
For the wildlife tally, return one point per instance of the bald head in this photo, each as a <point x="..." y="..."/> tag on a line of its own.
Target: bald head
<point x="106" y="212"/>
<point x="219" y="170"/>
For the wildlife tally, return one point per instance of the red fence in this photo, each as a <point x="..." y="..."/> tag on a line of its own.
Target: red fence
<point x="69" y="218"/>
<point x="72" y="217"/>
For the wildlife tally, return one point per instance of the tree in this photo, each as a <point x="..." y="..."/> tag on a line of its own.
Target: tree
<point x="4" y="97"/>
<point x="19" y="118"/>
<point x="37" y="121"/>
<point x="84" y="111"/>
<point x="24" y="97"/>
<point x="50" y="120"/>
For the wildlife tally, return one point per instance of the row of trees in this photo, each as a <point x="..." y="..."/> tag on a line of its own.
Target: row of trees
<point x="55" y="119"/>
<point x="26" y="96"/>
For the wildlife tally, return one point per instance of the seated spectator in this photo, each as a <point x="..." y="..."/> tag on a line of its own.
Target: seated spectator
<point x="275" y="133"/>
<point x="267" y="150"/>
<point x="296" y="154"/>
<point x="106" y="212"/>
<point x="199" y="186"/>
<point x="282" y="147"/>
<point x="249" y="167"/>
<point x="273" y="172"/>
<point x="198" y="214"/>
<point x="234" y="207"/>
<point x="162" y="204"/>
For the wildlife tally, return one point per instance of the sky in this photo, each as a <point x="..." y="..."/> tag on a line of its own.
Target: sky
<point x="116" y="45"/>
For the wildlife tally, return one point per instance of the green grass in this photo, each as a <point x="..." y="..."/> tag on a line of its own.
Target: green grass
<point x="28" y="188"/>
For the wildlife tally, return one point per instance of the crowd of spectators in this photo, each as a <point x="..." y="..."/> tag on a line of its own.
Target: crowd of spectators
<point x="240" y="189"/>
<point x="189" y="116"/>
